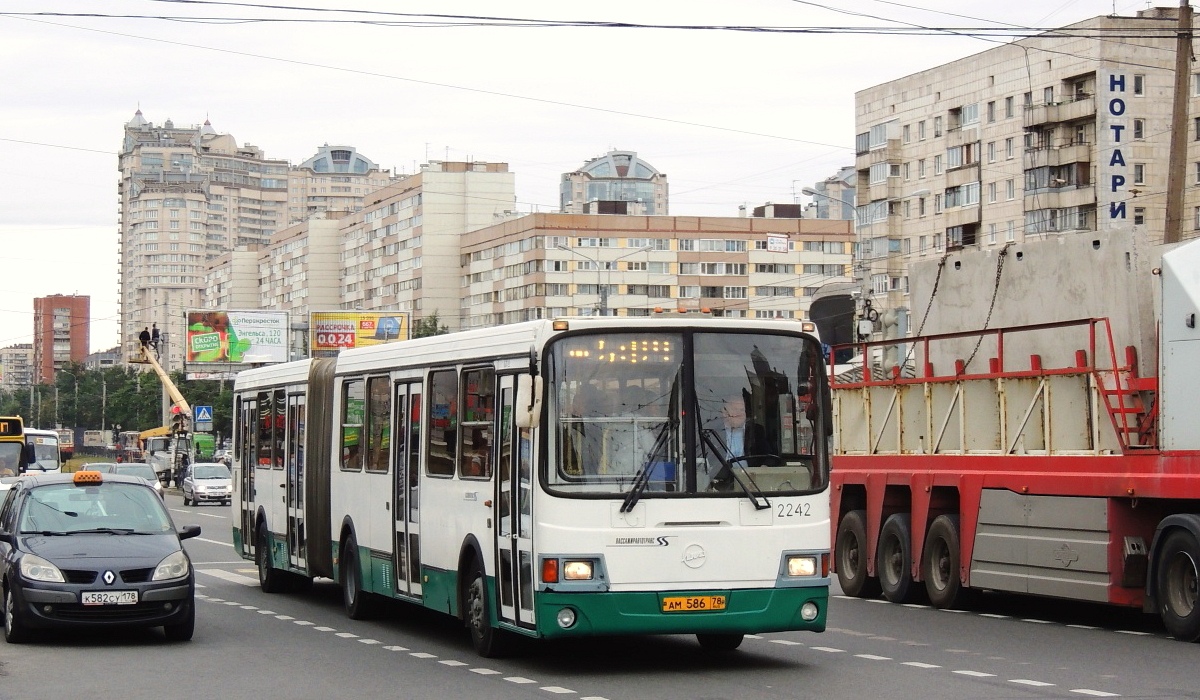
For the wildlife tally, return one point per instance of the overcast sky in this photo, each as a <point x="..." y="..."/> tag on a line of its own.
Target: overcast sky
<point x="731" y="117"/>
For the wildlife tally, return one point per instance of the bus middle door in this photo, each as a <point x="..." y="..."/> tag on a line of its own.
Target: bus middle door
<point x="406" y="550"/>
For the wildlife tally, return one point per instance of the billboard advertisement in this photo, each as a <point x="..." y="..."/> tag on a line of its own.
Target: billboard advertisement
<point x="332" y="331"/>
<point x="237" y="337"/>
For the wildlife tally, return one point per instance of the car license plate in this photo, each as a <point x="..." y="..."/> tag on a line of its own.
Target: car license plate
<point x="693" y="603"/>
<point x="110" y="597"/>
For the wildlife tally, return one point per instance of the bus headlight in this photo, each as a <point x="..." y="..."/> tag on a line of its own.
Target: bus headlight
<point x="566" y="618"/>
<point x="809" y="611"/>
<point x="577" y="570"/>
<point x="801" y="565"/>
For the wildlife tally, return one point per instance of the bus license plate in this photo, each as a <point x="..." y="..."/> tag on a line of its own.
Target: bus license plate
<point x="693" y="603"/>
<point x="110" y="597"/>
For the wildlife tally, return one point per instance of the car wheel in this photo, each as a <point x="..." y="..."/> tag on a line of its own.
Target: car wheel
<point x="720" y="642"/>
<point x="185" y="500"/>
<point x="488" y="641"/>
<point x="182" y="631"/>
<point x="270" y="579"/>
<point x="357" y="602"/>
<point x="15" y="631"/>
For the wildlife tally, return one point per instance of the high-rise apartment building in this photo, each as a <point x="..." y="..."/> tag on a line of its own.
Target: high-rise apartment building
<point x="617" y="182"/>
<point x="16" y="366"/>
<point x="1052" y="135"/>
<point x="190" y="194"/>
<point x="61" y="326"/>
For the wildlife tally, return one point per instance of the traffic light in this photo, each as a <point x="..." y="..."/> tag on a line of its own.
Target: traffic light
<point x="178" y="420"/>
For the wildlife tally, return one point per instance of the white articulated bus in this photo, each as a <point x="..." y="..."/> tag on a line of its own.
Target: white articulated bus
<point x="552" y="478"/>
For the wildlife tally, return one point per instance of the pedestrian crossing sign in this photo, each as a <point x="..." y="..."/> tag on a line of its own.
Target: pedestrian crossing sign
<point x="204" y="414"/>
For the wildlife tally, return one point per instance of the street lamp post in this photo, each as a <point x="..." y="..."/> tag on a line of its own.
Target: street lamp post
<point x="602" y="289"/>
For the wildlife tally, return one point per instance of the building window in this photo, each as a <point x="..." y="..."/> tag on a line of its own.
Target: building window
<point x="921" y="206"/>
<point x="1139" y="173"/>
<point x="1011" y="233"/>
<point x="991" y="192"/>
<point x="991" y="151"/>
<point x="1008" y="107"/>
<point x="1139" y="128"/>
<point x="991" y="112"/>
<point x="991" y="234"/>
<point x="921" y="168"/>
<point x="907" y="171"/>
<point x="1196" y="123"/>
<point x="937" y="204"/>
<point x="1139" y="216"/>
<point x="1197" y="173"/>
<point x="937" y="127"/>
<point x="907" y="132"/>
<point x="937" y="165"/>
<point x="1048" y="95"/>
<point x="1196" y="219"/>
<point x="1139" y="85"/>
<point x="1008" y="148"/>
<point x="1010" y="189"/>
<point x="921" y="128"/>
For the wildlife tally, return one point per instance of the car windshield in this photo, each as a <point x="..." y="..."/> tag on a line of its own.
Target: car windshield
<point x="108" y="507"/>
<point x="211" y="471"/>
<point x="143" y="470"/>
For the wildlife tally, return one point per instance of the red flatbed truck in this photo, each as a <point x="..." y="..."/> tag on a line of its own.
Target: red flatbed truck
<point x="1077" y="480"/>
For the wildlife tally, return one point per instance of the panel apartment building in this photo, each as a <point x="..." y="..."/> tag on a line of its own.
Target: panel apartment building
<point x="61" y="333"/>
<point x="1061" y="133"/>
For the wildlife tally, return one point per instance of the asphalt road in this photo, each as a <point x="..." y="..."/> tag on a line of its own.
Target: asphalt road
<point x="252" y="645"/>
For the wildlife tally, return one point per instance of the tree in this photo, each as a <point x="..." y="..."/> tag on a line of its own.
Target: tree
<point x="428" y="326"/>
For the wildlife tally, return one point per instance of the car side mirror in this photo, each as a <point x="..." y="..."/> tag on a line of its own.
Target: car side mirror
<point x="189" y="531"/>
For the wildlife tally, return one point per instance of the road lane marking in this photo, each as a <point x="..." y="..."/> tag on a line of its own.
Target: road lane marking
<point x="347" y="635"/>
<point x="229" y="576"/>
<point x="452" y="662"/>
<point x="831" y="650"/>
<point x="192" y="512"/>
<point x="423" y="655"/>
<point x="786" y="642"/>
<point x="1025" y="681"/>
<point x="369" y="641"/>
<point x="484" y="671"/>
<point x="396" y="648"/>
<point x="557" y="689"/>
<point x="519" y="679"/>
<point x="1095" y="693"/>
<point x="325" y="629"/>
<point x="918" y="664"/>
<point x="203" y="539"/>
<point x="975" y="674"/>
<point x="873" y="657"/>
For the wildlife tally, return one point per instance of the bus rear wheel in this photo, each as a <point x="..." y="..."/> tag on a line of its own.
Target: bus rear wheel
<point x="357" y="602"/>
<point x="940" y="562"/>
<point x="851" y="556"/>
<point x="894" y="558"/>
<point x="1177" y="585"/>
<point x="720" y="642"/>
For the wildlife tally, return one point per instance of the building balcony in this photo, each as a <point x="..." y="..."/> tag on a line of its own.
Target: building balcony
<point x="1069" y="152"/>
<point x="888" y="189"/>
<point x="962" y="216"/>
<point x="892" y="152"/>
<point x="1057" y="112"/>
<point x="1060" y="197"/>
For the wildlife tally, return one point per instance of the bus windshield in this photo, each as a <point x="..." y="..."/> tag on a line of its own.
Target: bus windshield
<point x="623" y="415"/>
<point x="45" y="453"/>
<point x="10" y="458"/>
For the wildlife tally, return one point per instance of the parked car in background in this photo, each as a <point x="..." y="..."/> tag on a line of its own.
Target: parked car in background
<point x="207" y="482"/>
<point x="132" y="469"/>
<point x="91" y="550"/>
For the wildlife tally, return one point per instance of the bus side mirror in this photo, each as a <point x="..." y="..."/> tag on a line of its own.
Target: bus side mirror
<point x="529" y="401"/>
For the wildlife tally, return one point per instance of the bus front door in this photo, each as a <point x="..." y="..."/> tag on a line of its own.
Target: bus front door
<point x="514" y="513"/>
<point x="406" y="452"/>
<point x="247" y="457"/>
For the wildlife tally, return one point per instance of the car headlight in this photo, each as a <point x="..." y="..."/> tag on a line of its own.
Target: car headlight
<point x="801" y="566"/>
<point x="174" y="566"/>
<point x="35" y="568"/>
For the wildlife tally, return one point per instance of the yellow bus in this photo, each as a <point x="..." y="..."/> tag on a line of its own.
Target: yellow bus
<point x="12" y="446"/>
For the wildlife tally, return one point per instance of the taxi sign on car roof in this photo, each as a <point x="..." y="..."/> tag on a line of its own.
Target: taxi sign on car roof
<point x="84" y="478"/>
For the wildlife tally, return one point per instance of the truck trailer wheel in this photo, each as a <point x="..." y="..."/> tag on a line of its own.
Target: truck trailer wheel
<point x="893" y="560"/>
<point x="851" y="557"/>
<point x="941" y="561"/>
<point x="1176" y="583"/>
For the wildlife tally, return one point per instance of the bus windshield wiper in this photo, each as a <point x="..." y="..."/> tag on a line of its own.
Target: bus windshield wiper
<point x="642" y="479"/>
<point x="712" y="442"/>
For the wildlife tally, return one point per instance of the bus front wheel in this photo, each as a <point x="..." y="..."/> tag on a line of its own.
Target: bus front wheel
<point x="269" y="578"/>
<point x="488" y="641"/>
<point x="1178" y="585"/>
<point x="851" y="556"/>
